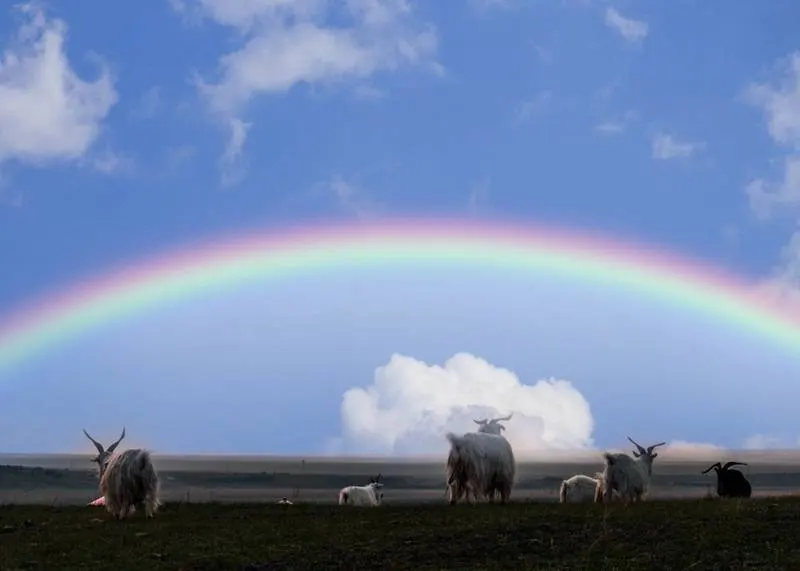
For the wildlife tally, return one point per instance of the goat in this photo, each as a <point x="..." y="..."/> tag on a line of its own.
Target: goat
<point x="369" y="495"/>
<point x="628" y="477"/>
<point x="285" y="502"/>
<point x="581" y="488"/>
<point x="730" y="483"/>
<point x="492" y="425"/>
<point x="127" y="480"/>
<point x="479" y="463"/>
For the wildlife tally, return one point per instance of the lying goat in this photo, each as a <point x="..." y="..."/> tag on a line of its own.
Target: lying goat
<point x="581" y="488"/>
<point x="730" y="483"/>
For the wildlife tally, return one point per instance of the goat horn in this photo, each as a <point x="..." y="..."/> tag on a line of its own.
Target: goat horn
<point x="639" y="446"/>
<point x="707" y="470"/>
<point x="97" y="445"/>
<point x="114" y="446"/>
<point x="729" y="464"/>
<point x="654" y="446"/>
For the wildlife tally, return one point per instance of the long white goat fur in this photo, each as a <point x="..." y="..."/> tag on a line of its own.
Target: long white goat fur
<point x="130" y="479"/>
<point x="360" y="495"/>
<point x="581" y="488"/>
<point x="480" y="462"/>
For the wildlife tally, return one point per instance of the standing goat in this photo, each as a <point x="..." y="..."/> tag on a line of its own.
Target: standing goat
<point x="127" y="480"/>
<point x="479" y="463"/>
<point x="628" y="477"/>
<point x="369" y="495"/>
<point x="492" y="425"/>
<point x="581" y="488"/>
<point x="730" y="483"/>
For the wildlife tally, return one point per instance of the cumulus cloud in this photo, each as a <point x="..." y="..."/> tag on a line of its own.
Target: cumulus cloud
<point x="667" y="147"/>
<point x="632" y="30"/>
<point x="47" y="112"/>
<point x="410" y="405"/>
<point x="290" y="42"/>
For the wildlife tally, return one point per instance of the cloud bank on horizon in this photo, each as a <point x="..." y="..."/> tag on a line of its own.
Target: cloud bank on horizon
<point x="253" y="114"/>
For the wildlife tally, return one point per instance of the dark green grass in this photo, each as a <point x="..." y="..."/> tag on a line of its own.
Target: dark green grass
<point x="701" y="535"/>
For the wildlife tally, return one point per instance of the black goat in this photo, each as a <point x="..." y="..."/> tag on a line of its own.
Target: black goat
<point x="730" y="483"/>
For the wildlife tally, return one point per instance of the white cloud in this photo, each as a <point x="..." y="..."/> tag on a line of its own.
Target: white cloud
<point x="352" y="199"/>
<point x="528" y="108"/>
<point x="47" y="112"/>
<point x="685" y="450"/>
<point x="478" y="195"/>
<point x="411" y="405"/>
<point x="667" y="147"/>
<point x="290" y="42"/>
<point x="614" y="127"/>
<point x="769" y="442"/>
<point x="780" y="103"/>
<point x="232" y="162"/>
<point x="631" y="30"/>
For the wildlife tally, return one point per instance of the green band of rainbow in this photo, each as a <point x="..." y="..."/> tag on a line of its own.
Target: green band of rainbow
<point x="560" y="253"/>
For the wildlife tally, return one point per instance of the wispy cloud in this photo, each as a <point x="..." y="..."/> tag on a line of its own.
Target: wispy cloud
<point x="288" y="43"/>
<point x="617" y="126"/>
<point x="666" y="147"/>
<point x="632" y="30"/>
<point x="529" y="108"/>
<point x="779" y="101"/>
<point x="352" y="199"/>
<point x="478" y="195"/>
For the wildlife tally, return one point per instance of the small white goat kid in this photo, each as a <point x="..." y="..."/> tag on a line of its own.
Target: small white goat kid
<point x="629" y="477"/>
<point x="479" y="463"/>
<point x="127" y="480"/>
<point x="492" y="425"/>
<point x="369" y="495"/>
<point x="581" y="488"/>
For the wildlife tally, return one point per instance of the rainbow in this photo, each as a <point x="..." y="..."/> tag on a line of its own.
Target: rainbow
<point x="211" y="268"/>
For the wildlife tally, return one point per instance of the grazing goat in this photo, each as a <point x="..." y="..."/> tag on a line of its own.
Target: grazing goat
<point x="628" y="477"/>
<point x="479" y="463"/>
<point x="369" y="495"/>
<point x="730" y="483"/>
<point x="492" y="425"/>
<point x="127" y="480"/>
<point x="581" y="488"/>
<point x="285" y="502"/>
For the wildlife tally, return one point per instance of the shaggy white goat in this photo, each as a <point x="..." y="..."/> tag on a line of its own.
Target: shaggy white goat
<point x="369" y="495"/>
<point x="285" y="502"/>
<point x="479" y="463"/>
<point x="127" y="480"/>
<point x="581" y="488"/>
<point x="629" y="477"/>
<point x="492" y="425"/>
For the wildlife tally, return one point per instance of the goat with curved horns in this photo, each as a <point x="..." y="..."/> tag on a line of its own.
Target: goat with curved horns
<point x="730" y="483"/>
<point x="628" y="477"/>
<point x="127" y="480"/>
<point x="492" y="425"/>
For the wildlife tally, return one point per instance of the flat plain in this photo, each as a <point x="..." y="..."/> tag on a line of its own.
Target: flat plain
<point x="220" y="513"/>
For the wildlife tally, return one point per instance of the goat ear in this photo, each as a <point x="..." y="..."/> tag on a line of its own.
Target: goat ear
<point x="636" y="453"/>
<point x="654" y="455"/>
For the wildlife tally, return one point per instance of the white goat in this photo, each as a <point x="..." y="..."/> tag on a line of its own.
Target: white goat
<point x="369" y="495"/>
<point x="127" y="480"/>
<point x="629" y="477"/>
<point x="285" y="501"/>
<point x="492" y="425"/>
<point x="581" y="488"/>
<point x="479" y="463"/>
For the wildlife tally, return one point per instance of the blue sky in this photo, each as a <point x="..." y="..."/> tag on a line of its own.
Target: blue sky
<point x="127" y="130"/>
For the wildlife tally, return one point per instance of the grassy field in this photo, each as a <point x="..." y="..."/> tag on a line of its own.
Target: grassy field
<point x="689" y="534"/>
